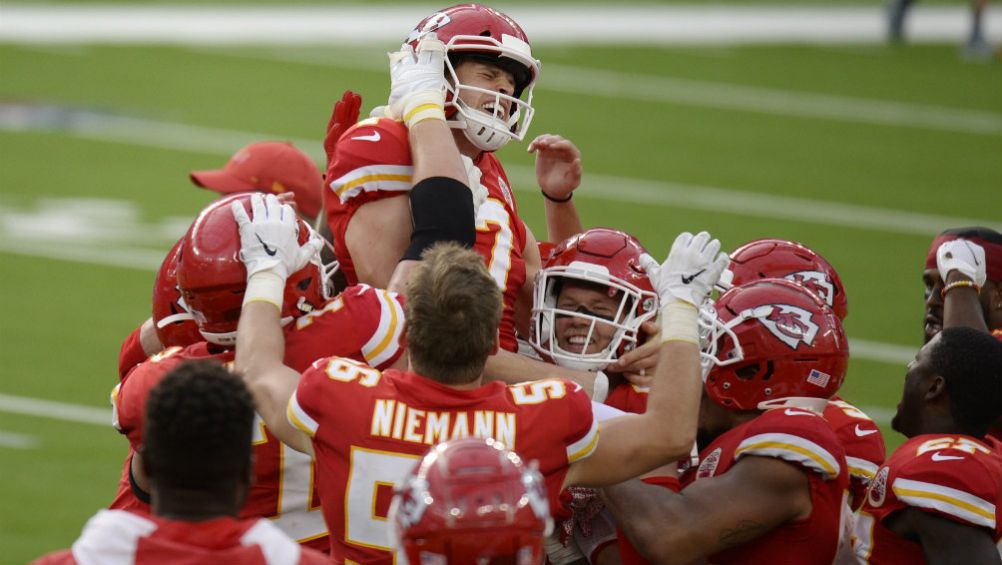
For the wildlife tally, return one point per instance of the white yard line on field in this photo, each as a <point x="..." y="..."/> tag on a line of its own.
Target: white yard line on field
<point x="12" y="440"/>
<point x="563" y="24"/>
<point x="183" y="137"/>
<point x="621" y="86"/>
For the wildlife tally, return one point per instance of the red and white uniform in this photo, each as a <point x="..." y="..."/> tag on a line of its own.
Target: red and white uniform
<point x="804" y="439"/>
<point x="955" y="477"/>
<point x="117" y="537"/>
<point x="628" y="397"/>
<point x="363" y="323"/>
<point x="369" y="429"/>
<point x="374" y="162"/>
<point x="863" y="444"/>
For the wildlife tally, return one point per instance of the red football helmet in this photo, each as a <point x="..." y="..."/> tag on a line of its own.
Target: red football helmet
<point x="474" y="31"/>
<point x="773" y="339"/>
<point x="782" y="259"/>
<point x="610" y="260"/>
<point x="470" y="502"/>
<point x="174" y="324"/>
<point x="212" y="278"/>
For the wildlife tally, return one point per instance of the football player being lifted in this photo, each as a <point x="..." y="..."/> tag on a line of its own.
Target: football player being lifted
<point x="469" y="70"/>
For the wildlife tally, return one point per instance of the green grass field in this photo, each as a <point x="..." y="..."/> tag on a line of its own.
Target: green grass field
<point x="863" y="153"/>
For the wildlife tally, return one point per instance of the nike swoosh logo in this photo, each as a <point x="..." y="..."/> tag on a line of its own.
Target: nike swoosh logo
<point x="373" y="138"/>
<point x="789" y="412"/>
<point x="940" y="457"/>
<point x="863" y="433"/>
<point x="689" y="279"/>
<point x="270" y="251"/>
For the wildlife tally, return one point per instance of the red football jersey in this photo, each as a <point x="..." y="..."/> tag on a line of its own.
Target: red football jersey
<point x="374" y="161"/>
<point x="125" y="538"/>
<point x="628" y="397"/>
<point x="951" y="476"/>
<point x="363" y="323"/>
<point x="796" y="436"/>
<point x="863" y="444"/>
<point x="130" y="354"/>
<point x="369" y="429"/>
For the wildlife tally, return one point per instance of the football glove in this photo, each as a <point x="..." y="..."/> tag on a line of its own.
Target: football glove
<point x="344" y="115"/>
<point x="417" y="82"/>
<point x="269" y="242"/>
<point x="964" y="256"/>
<point x="693" y="266"/>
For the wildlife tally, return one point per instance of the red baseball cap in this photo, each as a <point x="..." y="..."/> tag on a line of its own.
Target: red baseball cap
<point x="268" y="166"/>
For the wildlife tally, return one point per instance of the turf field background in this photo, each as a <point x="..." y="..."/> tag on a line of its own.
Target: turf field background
<point x="862" y="152"/>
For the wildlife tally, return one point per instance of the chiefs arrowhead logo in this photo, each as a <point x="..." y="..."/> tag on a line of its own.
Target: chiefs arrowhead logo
<point x="792" y="325"/>
<point x="816" y="282"/>
<point x="434" y="22"/>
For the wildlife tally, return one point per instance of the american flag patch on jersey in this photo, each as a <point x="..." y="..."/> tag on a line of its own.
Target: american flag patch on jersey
<point x="816" y="377"/>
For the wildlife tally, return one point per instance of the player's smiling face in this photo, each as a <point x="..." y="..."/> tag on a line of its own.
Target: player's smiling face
<point x="572" y="332"/>
<point x="488" y="77"/>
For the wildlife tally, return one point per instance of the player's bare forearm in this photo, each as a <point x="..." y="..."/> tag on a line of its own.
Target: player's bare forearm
<point x="260" y="350"/>
<point x="636" y="443"/>
<point x="512" y="368"/>
<point x="961" y="307"/>
<point x="562" y="220"/>
<point x="434" y="152"/>
<point x="712" y="514"/>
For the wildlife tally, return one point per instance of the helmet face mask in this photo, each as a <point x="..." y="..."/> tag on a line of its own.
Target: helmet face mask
<point x="772" y="339"/>
<point x="212" y="278"/>
<point x="470" y="501"/>
<point x="604" y="262"/>
<point x="482" y="34"/>
<point x="172" y="320"/>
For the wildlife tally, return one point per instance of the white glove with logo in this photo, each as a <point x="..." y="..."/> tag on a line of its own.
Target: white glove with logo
<point x="684" y="282"/>
<point x="693" y="266"/>
<point x="964" y="256"/>
<point x="269" y="242"/>
<point x="417" y="82"/>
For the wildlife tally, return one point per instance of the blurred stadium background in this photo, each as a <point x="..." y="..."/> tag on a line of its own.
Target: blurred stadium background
<point x="689" y="117"/>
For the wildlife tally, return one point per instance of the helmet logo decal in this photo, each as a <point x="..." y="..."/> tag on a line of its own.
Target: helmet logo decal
<point x="816" y="282"/>
<point x="431" y="24"/>
<point x="878" y="488"/>
<point x="792" y="325"/>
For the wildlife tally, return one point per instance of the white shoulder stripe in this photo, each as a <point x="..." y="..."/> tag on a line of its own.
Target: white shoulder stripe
<point x="277" y="547"/>
<point x="957" y="503"/>
<point x="861" y="468"/>
<point x="385" y="341"/>
<point x="586" y="445"/>
<point x="791" y="448"/>
<point x="110" y="537"/>
<point x="372" y="178"/>
<point x="299" y="418"/>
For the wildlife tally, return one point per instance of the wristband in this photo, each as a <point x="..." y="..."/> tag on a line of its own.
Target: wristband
<point x="600" y="390"/>
<point x="679" y="322"/>
<point x="265" y="287"/>
<point x="956" y="284"/>
<point x="557" y="200"/>
<point x="421" y="106"/>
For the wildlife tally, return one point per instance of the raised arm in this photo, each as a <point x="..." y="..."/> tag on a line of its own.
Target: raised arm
<point x="635" y="444"/>
<point x="440" y="199"/>
<point x="961" y="265"/>
<point x="558" y="172"/>
<point x="270" y="249"/>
